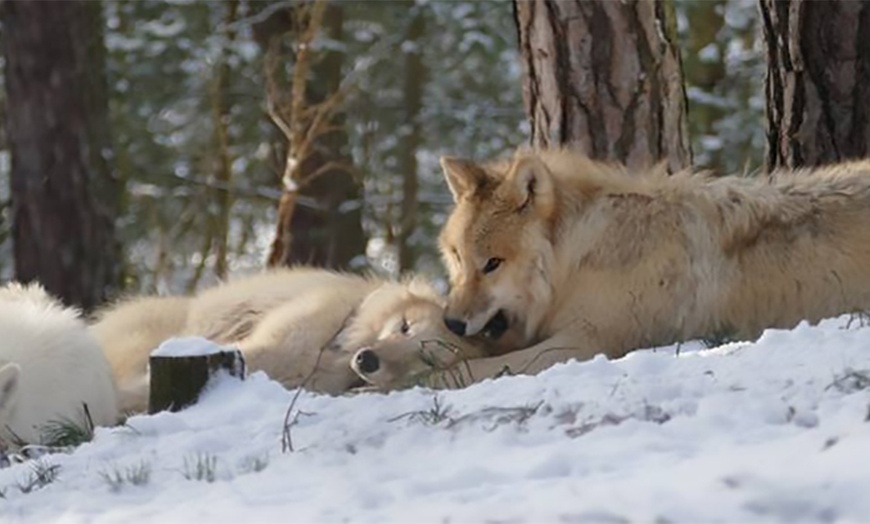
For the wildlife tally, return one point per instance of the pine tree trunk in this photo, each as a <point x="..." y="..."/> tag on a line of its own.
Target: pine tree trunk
<point x="818" y="81"/>
<point x="65" y="199"/>
<point x="415" y="78"/>
<point x="605" y="77"/>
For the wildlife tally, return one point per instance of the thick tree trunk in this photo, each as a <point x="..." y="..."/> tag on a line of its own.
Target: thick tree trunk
<point x="64" y="197"/>
<point x="604" y="77"/>
<point x="818" y="81"/>
<point x="415" y="79"/>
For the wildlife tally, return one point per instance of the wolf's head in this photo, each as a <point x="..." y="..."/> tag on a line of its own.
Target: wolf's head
<point x="497" y="246"/>
<point x="401" y="333"/>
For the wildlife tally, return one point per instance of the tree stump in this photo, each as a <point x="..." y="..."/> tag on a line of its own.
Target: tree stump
<point x="181" y="368"/>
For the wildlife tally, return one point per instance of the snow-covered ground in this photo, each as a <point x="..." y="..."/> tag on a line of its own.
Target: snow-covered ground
<point x="771" y="431"/>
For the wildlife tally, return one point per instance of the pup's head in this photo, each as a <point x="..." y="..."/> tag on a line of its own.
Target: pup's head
<point x="497" y="248"/>
<point x="407" y="337"/>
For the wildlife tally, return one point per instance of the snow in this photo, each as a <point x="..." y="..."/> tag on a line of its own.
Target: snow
<point x="188" y="347"/>
<point x="774" y="430"/>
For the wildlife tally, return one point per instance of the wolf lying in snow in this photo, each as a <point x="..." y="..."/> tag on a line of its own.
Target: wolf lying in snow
<point x="571" y="257"/>
<point x="50" y="368"/>
<point x="128" y="331"/>
<point x="302" y="326"/>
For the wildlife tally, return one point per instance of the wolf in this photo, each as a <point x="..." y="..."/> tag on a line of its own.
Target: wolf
<point x="51" y="369"/>
<point x="302" y="326"/>
<point x="127" y="331"/>
<point x="570" y="257"/>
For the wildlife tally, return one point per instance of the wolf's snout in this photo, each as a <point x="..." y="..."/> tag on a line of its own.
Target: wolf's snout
<point x="455" y="325"/>
<point x="496" y="326"/>
<point x="367" y="361"/>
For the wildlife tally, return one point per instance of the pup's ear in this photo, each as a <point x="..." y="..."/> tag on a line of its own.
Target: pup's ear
<point x="463" y="176"/>
<point x="9" y="375"/>
<point x="533" y="185"/>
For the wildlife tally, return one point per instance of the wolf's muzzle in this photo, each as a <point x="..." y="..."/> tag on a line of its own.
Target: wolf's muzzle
<point x="496" y="326"/>
<point x="367" y="362"/>
<point x="455" y="325"/>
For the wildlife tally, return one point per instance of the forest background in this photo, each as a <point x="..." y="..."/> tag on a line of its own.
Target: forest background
<point x="193" y="105"/>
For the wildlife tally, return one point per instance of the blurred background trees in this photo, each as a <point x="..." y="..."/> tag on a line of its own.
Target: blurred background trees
<point x="65" y="196"/>
<point x="200" y="159"/>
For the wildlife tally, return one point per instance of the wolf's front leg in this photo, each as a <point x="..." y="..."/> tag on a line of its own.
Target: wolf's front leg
<point x="529" y="361"/>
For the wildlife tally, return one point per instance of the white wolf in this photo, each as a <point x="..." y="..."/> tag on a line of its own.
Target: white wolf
<point x="50" y="367"/>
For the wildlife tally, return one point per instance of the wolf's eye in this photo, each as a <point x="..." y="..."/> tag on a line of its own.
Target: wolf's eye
<point x="492" y="264"/>
<point x="405" y="327"/>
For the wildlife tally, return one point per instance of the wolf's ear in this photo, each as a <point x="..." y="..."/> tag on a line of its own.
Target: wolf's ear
<point x="533" y="184"/>
<point x="9" y="375"/>
<point x="463" y="176"/>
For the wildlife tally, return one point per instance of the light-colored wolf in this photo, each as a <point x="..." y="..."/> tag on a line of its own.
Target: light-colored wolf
<point x="302" y="326"/>
<point x="51" y="370"/>
<point x="571" y="257"/>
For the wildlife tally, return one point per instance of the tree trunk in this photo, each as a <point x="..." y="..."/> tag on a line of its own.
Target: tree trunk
<point x="605" y="77"/>
<point x="818" y="81"/>
<point x="224" y="167"/>
<point x="329" y="233"/>
<point x="65" y="198"/>
<point x="415" y="78"/>
<point x="178" y="381"/>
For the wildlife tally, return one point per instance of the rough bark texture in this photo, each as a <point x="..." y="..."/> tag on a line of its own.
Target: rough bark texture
<point x="64" y="197"/>
<point x="605" y="77"/>
<point x="818" y="81"/>
<point x="415" y="79"/>
<point x="177" y="382"/>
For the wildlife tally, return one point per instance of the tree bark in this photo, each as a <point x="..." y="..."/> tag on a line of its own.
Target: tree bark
<point x="818" y="81"/>
<point x="415" y="79"/>
<point x="604" y="77"/>
<point x="65" y="198"/>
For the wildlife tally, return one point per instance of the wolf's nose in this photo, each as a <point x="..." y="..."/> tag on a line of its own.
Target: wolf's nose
<point x="367" y="362"/>
<point x="456" y="326"/>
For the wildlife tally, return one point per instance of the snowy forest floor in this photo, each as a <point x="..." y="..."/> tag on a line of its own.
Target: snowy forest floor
<point x="775" y="430"/>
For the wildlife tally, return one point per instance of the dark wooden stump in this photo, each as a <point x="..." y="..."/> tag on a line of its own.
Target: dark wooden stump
<point x="177" y="381"/>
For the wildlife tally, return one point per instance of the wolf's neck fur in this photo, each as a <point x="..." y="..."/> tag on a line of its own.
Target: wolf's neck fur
<point x="766" y="231"/>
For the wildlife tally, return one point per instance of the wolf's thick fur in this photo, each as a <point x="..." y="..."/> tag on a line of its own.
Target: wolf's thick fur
<point x="50" y="367"/>
<point x="128" y="331"/>
<point x="590" y="258"/>
<point x="302" y="326"/>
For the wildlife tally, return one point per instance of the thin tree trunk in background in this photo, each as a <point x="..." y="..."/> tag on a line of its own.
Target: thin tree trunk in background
<point x="328" y="233"/>
<point x="223" y="174"/>
<point x="415" y="79"/>
<point x="604" y="77"/>
<point x="65" y="199"/>
<point x="332" y="236"/>
<point x="818" y="81"/>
